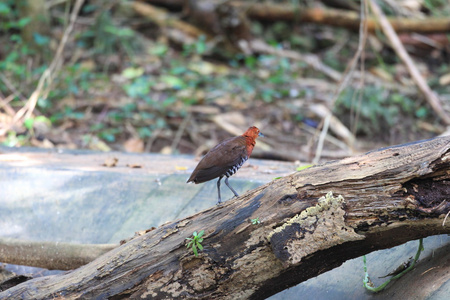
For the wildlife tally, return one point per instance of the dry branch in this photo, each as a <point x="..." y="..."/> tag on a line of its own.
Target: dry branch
<point x="50" y="255"/>
<point x="271" y="12"/>
<point x="381" y="199"/>
<point x="336" y="17"/>
<point x="163" y="19"/>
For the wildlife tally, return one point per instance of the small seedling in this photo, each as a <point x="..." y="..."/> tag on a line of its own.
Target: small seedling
<point x="303" y="167"/>
<point x="255" y="221"/>
<point x="195" y="242"/>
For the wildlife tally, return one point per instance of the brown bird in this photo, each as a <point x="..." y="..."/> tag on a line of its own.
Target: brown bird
<point x="225" y="159"/>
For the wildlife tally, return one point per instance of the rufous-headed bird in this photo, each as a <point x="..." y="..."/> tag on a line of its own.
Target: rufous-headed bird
<point x="225" y="159"/>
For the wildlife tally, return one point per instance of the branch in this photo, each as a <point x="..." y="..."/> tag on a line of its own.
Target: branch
<point x="50" y="255"/>
<point x="163" y="19"/>
<point x="336" y="17"/>
<point x="379" y="200"/>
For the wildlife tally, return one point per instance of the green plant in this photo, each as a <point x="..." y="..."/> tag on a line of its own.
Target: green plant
<point x="14" y="140"/>
<point x="106" y="37"/>
<point x="31" y="122"/>
<point x="15" y="52"/>
<point x="195" y="242"/>
<point x="368" y="284"/>
<point x="380" y="111"/>
<point x="255" y="221"/>
<point x="303" y="167"/>
<point x="199" y="47"/>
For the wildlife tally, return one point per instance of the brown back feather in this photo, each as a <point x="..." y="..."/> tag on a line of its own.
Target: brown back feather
<point x="220" y="159"/>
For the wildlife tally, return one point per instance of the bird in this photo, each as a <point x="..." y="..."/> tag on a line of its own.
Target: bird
<point x="225" y="159"/>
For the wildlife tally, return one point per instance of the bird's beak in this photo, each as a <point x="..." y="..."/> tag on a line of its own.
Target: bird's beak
<point x="260" y="134"/>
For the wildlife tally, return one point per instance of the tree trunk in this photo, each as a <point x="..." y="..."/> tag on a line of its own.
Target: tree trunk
<point x="310" y="222"/>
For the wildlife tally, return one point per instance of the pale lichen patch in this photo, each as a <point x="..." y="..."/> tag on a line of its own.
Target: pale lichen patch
<point x="318" y="227"/>
<point x="257" y="266"/>
<point x="174" y="289"/>
<point x="154" y="283"/>
<point x="257" y="236"/>
<point x="202" y="278"/>
<point x="169" y="232"/>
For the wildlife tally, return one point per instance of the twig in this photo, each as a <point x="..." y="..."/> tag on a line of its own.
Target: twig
<point x="345" y="79"/>
<point x="430" y="96"/>
<point x="162" y="18"/>
<point x="271" y="12"/>
<point x="155" y="134"/>
<point x="4" y="103"/>
<point x="336" y="126"/>
<point x="46" y="77"/>
<point x="180" y="131"/>
<point x="445" y="219"/>
<point x="362" y="76"/>
<point x="11" y="87"/>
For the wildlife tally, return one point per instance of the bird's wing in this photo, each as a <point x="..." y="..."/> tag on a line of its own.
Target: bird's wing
<point x="220" y="159"/>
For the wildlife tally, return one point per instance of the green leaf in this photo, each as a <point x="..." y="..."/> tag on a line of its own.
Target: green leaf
<point x="159" y="50"/>
<point x="422" y="112"/>
<point x="173" y="82"/>
<point x="139" y="87"/>
<point x="303" y="167"/>
<point x="40" y="39"/>
<point x="144" y="132"/>
<point x="131" y="73"/>
<point x="28" y="123"/>
<point x="200" y="246"/>
<point x="255" y="221"/>
<point x="4" y="9"/>
<point x="23" y="22"/>
<point x="194" y="248"/>
<point x="200" y="45"/>
<point x="42" y="119"/>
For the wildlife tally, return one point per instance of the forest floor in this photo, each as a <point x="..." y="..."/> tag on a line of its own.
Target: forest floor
<point x="125" y="80"/>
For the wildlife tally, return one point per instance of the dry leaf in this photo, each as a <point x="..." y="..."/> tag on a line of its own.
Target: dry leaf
<point x="444" y="80"/>
<point x="96" y="144"/>
<point x="134" y="145"/>
<point x="134" y="166"/>
<point x="110" y="162"/>
<point x="166" y="150"/>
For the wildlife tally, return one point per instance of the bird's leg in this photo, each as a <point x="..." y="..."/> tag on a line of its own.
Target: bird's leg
<point x="218" y="189"/>
<point x="226" y="182"/>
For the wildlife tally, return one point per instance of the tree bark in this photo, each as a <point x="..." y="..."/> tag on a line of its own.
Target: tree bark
<point x="50" y="255"/>
<point x="311" y="221"/>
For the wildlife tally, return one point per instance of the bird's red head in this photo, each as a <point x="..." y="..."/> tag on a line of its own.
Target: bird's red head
<point x="253" y="132"/>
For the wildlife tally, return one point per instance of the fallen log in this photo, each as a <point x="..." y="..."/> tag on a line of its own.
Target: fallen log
<point x="307" y="223"/>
